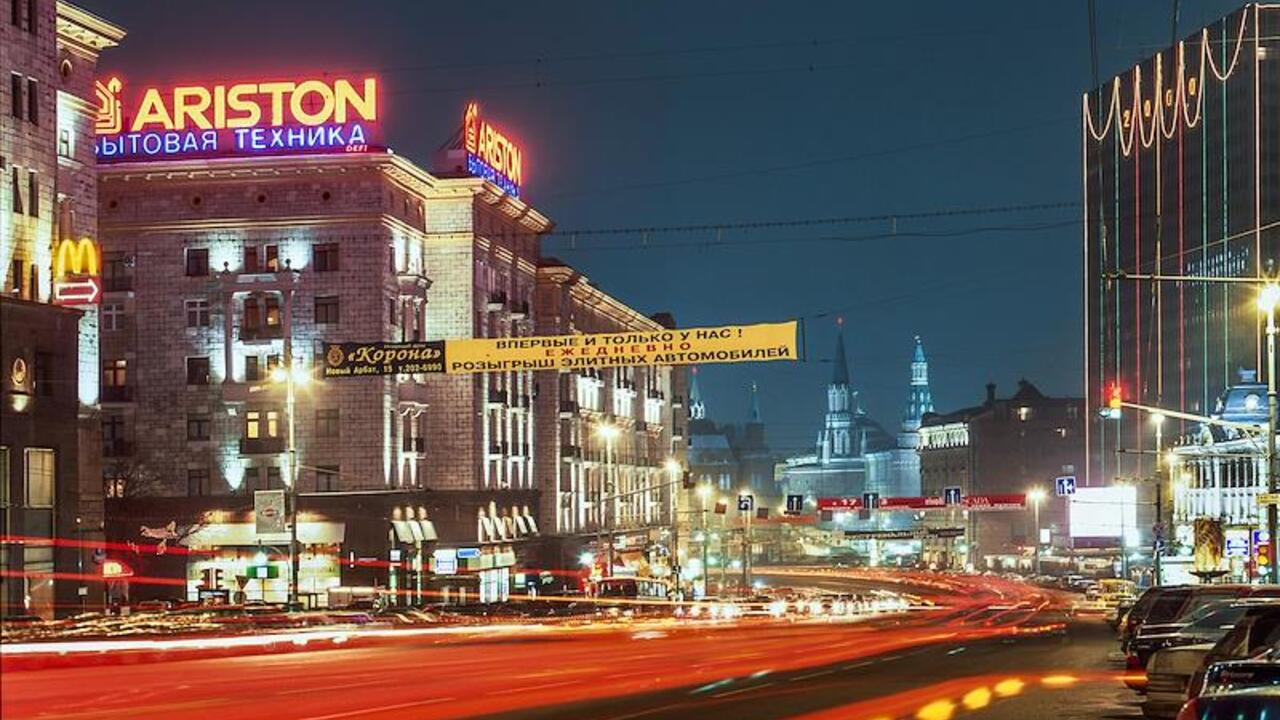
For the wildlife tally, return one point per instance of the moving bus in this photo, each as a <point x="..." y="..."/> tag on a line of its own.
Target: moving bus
<point x="636" y="590"/>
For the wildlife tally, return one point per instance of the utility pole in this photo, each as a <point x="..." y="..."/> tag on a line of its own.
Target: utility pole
<point x="1157" y="543"/>
<point x="1268" y="299"/>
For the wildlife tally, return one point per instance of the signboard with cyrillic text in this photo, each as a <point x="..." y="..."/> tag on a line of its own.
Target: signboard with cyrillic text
<point x="379" y="358"/>
<point x="727" y="344"/>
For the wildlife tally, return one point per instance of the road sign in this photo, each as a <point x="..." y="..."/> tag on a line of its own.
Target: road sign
<point x="1269" y="499"/>
<point x="746" y="503"/>
<point x="870" y="500"/>
<point x="269" y="512"/>
<point x="795" y="504"/>
<point x="1065" y="485"/>
<point x="839" y="503"/>
<point x="1237" y="547"/>
<point x="951" y="495"/>
<point x="468" y="553"/>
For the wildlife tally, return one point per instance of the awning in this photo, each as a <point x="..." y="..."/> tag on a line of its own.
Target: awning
<point x="245" y="535"/>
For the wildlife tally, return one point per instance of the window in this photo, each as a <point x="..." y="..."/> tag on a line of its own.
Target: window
<point x="252" y="369"/>
<point x="116" y="274"/>
<point x="197" y="262"/>
<point x="197" y="371"/>
<point x="197" y="481"/>
<point x="112" y="316"/>
<point x="1024" y="413"/>
<point x="15" y="276"/>
<point x="64" y="143"/>
<point x="325" y="257"/>
<point x="1073" y="411"/>
<point x="272" y="313"/>
<point x="273" y="478"/>
<point x="31" y="15"/>
<point x="251" y="264"/>
<point x="15" y="88"/>
<point x="253" y="424"/>
<point x="262" y="424"/>
<point x="114" y="487"/>
<point x="327" y="423"/>
<point x="252" y="317"/>
<point x="112" y="428"/>
<point x="33" y="193"/>
<point x="115" y="373"/>
<point x="197" y="312"/>
<point x="273" y="258"/>
<point x="33" y="100"/>
<point x="327" y="310"/>
<point x="273" y="423"/>
<point x="327" y="478"/>
<point x="39" y="478"/>
<point x="16" y="191"/>
<point x="391" y="311"/>
<point x="198" y="426"/>
<point x="42" y="375"/>
<point x="15" y="14"/>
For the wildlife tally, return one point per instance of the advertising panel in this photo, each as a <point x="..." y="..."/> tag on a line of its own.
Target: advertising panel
<point x="1104" y="512"/>
<point x="381" y="358"/>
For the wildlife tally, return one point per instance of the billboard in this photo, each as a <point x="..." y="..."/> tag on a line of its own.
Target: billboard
<point x="1104" y="512"/>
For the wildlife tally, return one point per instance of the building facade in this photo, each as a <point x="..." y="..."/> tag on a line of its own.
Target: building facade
<point x="611" y="456"/>
<point x="48" y="199"/>
<point x="1006" y="446"/>
<point x="1181" y="181"/>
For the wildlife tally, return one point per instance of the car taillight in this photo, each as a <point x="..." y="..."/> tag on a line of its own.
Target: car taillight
<point x="1133" y="662"/>
<point x="1190" y="711"/>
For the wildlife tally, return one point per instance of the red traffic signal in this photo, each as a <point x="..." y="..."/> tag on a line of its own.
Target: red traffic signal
<point x="1115" y="397"/>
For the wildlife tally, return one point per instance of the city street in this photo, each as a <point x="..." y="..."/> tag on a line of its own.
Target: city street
<point x="988" y="649"/>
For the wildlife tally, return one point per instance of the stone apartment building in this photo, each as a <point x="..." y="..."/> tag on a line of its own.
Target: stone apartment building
<point x="612" y="447"/>
<point x="50" y="485"/>
<point x="1003" y="446"/>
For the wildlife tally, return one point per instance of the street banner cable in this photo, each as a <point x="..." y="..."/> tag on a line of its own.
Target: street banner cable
<point x="726" y="344"/>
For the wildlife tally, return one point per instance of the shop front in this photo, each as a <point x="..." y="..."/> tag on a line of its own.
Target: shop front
<point x="231" y="559"/>
<point x="470" y="575"/>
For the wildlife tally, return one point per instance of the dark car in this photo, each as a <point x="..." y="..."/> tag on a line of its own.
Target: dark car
<point x="1251" y="704"/>
<point x="1237" y="675"/>
<point x="1204" y="624"/>
<point x="1164" y="609"/>
<point x="1256" y="635"/>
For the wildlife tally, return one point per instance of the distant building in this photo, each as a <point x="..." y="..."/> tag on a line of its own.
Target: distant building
<point x="895" y="471"/>
<point x="50" y="481"/>
<point x="1003" y="446"/>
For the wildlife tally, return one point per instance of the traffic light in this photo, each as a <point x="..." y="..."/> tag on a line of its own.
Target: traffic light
<point x="1115" y="401"/>
<point x="1264" y="558"/>
<point x="686" y="480"/>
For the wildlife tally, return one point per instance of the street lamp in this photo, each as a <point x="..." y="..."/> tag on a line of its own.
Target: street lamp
<point x="1157" y="544"/>
<point x="608" y="433"/>
<point x="292" y="376"/>
<point x="674" y="468"/>
<point x="1036" y="496"/>
<point x="1268" y="298"/>
<point x="704" y="492"/>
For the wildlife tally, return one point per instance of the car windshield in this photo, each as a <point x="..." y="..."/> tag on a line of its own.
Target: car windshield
<point x="1213" y="620"/>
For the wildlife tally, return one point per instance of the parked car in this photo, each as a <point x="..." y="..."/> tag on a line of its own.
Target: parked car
<point x="1237" y="675"/>
<point x="1252" y="704"/>
<point x="1177" y="673"/>
<point x="1205" y="624"/>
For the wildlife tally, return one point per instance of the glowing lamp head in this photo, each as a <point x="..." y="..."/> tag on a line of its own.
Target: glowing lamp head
<point x="608" y="432"/>
<point x="1036" y="495"/>
<point x="1269" y="297"/>
<point x="279" y="374"/>
<point x="587" y="559"/>
<point x="672" y="466"/>
<point x="1157" y="419"/>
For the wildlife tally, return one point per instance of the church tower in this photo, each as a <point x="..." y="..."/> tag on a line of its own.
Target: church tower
<point x="919" y="400"/>
<point x="836" y="441"/>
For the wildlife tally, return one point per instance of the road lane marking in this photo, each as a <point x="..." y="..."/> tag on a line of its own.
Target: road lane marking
<point x="811" y="675"/>
<point x="711" y="686"/>
<point x="743" y="690"/>
<point x="856" y="665"/>
<point x="327" y="688"/>
<point x="383" y="708"/>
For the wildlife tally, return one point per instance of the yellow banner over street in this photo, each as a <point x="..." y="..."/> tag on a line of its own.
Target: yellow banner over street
<point x="691" y="346"/>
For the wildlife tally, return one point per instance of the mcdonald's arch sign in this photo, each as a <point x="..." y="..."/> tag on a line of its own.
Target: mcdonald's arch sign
<point x="77" y="268"/>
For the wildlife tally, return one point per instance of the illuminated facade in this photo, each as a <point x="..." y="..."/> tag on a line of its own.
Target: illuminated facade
<point x="606" y="428"/>
<point x="48" y="196"/>
<point x="1181" y="179"/>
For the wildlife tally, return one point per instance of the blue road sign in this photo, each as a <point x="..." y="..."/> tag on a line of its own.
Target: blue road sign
<point x="870" y="500"/>
<point x="951" y="495"/>
<point x="795" y="504"/>
<point x="1065" y="485"/>
<point x="746" y="502"/>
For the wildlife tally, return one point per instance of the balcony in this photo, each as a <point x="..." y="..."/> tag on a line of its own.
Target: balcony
<point x="520" y="310"/>
<point x="116" y="448"/>
<point x="677" y="401"/>
<point x="252" y="333"/>
<point x="641" y="426"/>
<point x="415" y="445"/>
<point x="571" y="452"/>
<point x="524" y="401"/>
<point x="499" y="448"/>
<point x="261" y="446"/>
<point x="497" y="302"/>
<point x="117" y="393"/>
<point x="568" y="408"/>
<point x="520" y="450"/>
<point x="655" y="395"/>
<point x="497" y="397"/>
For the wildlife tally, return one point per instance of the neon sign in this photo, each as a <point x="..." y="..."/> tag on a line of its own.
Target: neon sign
<point x="76" y="268"/>
<point x="254" y="118"/>
<point x="490" y="154"/>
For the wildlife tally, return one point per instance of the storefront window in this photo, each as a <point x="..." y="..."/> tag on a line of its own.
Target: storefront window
<point x="39" y="478"/>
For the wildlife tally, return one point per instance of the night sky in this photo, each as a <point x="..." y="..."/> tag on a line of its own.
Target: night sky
<point x="665" y="113"/>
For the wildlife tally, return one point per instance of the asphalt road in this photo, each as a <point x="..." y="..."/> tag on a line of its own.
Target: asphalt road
<point x="997" y="651"/>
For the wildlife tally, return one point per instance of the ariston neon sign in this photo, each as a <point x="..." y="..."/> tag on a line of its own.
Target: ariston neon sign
<point x="490" y="154"/>
<point x="250" y="118"/>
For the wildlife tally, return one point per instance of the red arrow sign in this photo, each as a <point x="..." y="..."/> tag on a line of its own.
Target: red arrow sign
<point x="84" y="290"/>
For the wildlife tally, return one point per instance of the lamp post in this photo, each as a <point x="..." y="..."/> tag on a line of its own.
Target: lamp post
<point x="673" y="469"/>
<point x="1036" y="496"/>
<point x="1157" y="543"/>
<point x="1268" y="298"/>
<point x="608" y="433"/>
<point x="292" y="376"/>
<point x="704" y="491"/>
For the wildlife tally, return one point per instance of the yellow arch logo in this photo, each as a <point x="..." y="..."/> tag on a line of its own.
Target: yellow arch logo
<point x="76" y="257"/>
